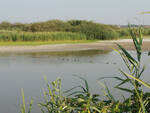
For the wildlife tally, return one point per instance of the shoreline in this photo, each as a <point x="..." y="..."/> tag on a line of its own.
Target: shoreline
<point x="99" y="45"/>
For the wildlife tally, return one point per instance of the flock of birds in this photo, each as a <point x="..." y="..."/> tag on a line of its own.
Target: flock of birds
<point x="90" y="61"/>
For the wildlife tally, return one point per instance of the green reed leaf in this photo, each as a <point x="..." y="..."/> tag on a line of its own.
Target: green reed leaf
<point x="140" y="81"/>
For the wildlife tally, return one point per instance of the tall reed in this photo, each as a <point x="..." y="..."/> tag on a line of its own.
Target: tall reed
<point x="135" y="71"/>
<point x="40" y="36"/>
<point x="23" y="106"/>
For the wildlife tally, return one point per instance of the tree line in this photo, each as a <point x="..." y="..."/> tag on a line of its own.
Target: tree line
<point x="91" y="29"/>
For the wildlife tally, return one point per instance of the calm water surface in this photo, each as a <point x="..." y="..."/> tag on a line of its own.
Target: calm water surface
<point x="28" y="70"/>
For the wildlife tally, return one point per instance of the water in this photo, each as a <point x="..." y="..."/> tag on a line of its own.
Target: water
<point x="28" y="70"/>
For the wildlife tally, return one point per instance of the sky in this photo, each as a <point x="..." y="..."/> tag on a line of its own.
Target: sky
<point x="103" y="11"/>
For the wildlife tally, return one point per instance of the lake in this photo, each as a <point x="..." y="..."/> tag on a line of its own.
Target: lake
<point x="27" y="71"/>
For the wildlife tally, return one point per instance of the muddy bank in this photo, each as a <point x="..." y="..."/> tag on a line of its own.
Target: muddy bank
<point x="100" y="45"/>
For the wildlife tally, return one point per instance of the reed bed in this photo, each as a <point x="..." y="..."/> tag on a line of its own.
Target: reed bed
<point x="40" y="36"/>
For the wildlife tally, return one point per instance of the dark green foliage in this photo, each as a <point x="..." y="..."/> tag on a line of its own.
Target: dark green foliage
<point x="94" y="30"/>
<point x="49" y="26"/>
<point x="146" y="31"/>
<point x="90" y="29"/>
<point x="124" y="32"/>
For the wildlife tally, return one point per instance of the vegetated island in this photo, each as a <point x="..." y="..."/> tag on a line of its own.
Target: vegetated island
<point x="57" y="35"/>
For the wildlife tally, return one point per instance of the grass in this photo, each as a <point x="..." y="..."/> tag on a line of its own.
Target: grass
<point x="36" y="43"/>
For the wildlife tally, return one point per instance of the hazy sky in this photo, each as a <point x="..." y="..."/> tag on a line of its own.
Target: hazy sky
<point x="103" y="11"/>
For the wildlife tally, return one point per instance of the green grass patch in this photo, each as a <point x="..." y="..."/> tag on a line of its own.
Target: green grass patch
<point x="36" y="43"/>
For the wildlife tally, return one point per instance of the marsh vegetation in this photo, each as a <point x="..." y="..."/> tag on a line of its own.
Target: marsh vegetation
<point x="57" y="30"/>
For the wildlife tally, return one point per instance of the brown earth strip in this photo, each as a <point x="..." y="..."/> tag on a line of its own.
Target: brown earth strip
<point x="100" y="45"/>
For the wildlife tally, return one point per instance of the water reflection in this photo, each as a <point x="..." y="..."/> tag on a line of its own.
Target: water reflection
<point x="57" y="57"/>
<point x="61" y="53"/>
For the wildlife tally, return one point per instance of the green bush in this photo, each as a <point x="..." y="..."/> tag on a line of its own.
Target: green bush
<point x="124" y="32"/>
<point x="146" y="31"/>
<point x="93" y="30"/>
